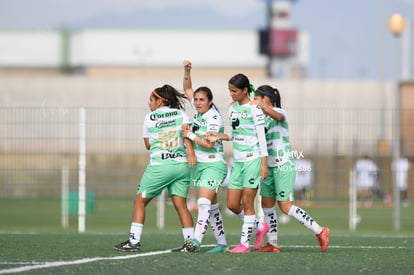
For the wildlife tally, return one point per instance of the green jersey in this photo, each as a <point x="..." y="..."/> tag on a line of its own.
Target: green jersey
<point x="163" y="128"/>
<point x="278" y="144"/>
<point x="243" y="121"/>
<point x="209" y="122"/>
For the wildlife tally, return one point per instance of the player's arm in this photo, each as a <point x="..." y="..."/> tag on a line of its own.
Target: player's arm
<point x="147" y="143"/>
<point x="204" y="142"/>
<point x="213" y="137"/>
<point x="145" y="134"/>
<point x="264" y="172"/>
<point x="268" y="110"/>
<point x="187" y="84"/>
<point x="259" y="124"/>
<point x="191" y="157"/>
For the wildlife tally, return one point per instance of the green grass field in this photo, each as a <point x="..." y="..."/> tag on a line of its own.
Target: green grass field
<point x="89" y="253"/>
<point x="33" y="242"/>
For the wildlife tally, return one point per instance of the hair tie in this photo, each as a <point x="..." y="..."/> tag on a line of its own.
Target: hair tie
<point x="251" y="89"/>
<point x="158" y="96"/>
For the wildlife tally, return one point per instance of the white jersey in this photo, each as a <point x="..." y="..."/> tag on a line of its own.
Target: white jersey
<point x="163" y="128"/>
<point x="243" y="121"/>
<point x="278" y="144"/>
<point x="209" y="122"/>
<point x="367" y="173"/>
<point x="303" y="173"/>
<point x="401" y="167"/>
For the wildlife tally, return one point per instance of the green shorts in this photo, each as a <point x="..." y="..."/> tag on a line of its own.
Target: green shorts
<point x="245" y="174"/>
<point x="209" y="175"/>
<point x="173" y="177"/>
<point x="280" y="183"/>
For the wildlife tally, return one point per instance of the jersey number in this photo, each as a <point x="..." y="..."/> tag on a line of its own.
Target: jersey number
<point x="168" y="140"/>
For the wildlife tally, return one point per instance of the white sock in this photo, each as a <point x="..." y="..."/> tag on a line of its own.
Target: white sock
<point x="271" y="219"/>
<point x="217" y="226"/>
<point x="135" y="232"/>
<point x="247" y="229"/>
<point x="204" y="206"/>
<point x="188" y="233"/>
<point x="305" y="219"/>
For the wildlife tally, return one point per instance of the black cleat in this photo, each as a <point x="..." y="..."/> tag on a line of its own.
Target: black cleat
<point x="189" y="246"/>
<point x="127" y="247"/>
<point x="178" y="249"/>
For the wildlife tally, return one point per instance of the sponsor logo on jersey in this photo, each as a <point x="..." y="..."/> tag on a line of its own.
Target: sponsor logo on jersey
<point x="156" y="116"/>
<point x="171" y="155"/>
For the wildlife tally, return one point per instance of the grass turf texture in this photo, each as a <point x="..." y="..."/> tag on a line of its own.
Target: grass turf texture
<point x="114" y="215"/>
<point x="347" y="254"/>
<point x="31" y="234"/>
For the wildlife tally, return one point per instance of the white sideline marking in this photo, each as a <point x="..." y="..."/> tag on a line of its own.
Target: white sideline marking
<point x="80" y="261"/>
<point x="39" y="265"/>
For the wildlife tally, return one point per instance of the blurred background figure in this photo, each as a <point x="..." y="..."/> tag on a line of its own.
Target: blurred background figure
<point x="304" y="179"/>
<point x="367" y="180"/>
<point x="401" y="167"/>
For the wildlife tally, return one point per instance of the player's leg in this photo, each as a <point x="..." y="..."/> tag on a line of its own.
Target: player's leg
<point x="217" y="226"/>
<point x="285" y="178"/>
<point x="178" y="188"/>
<point x="209" y="177"/>
<point x="268" y="205"/>
<point x="186" y="220"/>
<point x="268" y="194"/>
<point x="234" y="191"/>
<point x="151" y="185"/>
<point x="251" y="179"/>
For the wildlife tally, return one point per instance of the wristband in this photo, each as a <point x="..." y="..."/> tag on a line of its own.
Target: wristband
<point x="191" y="136"/>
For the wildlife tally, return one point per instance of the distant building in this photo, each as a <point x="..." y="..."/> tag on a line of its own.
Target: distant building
<point x="116" y="52"/>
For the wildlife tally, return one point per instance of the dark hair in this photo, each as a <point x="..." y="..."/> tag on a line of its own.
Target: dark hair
<point x="272" y="93"/>
<point x="170" y="96"/>
<point x="208" y="93"/>
<point x="241" y="81"/>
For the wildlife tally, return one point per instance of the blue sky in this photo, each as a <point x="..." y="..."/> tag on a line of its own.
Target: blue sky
<point x="349" y="39"/>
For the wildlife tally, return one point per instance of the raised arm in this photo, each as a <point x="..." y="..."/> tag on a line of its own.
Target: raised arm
<point x="187" y="85"/>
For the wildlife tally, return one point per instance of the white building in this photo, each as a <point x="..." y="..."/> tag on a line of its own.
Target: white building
<point x="132" y="51"/>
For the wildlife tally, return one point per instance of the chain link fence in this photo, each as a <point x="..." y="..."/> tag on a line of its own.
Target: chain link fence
<point x="37" y="144"/>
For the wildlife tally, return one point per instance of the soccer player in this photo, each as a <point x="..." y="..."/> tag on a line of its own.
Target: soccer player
<point x="367" y="180"/>
<point x="279" y="185"/>
<point x="250" y="160"/>
<point x="401" y="167"/>
<point x="304" y="177"/>
<point x="210" y="169"/>
<point x="169" y="163"/>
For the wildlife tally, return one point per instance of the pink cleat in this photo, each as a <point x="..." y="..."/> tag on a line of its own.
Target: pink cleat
<point x="240" y="249"/>
<point x="260" y="234"/>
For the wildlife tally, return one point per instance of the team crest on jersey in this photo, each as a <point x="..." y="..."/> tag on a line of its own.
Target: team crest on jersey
<point x="195" y="127"/>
